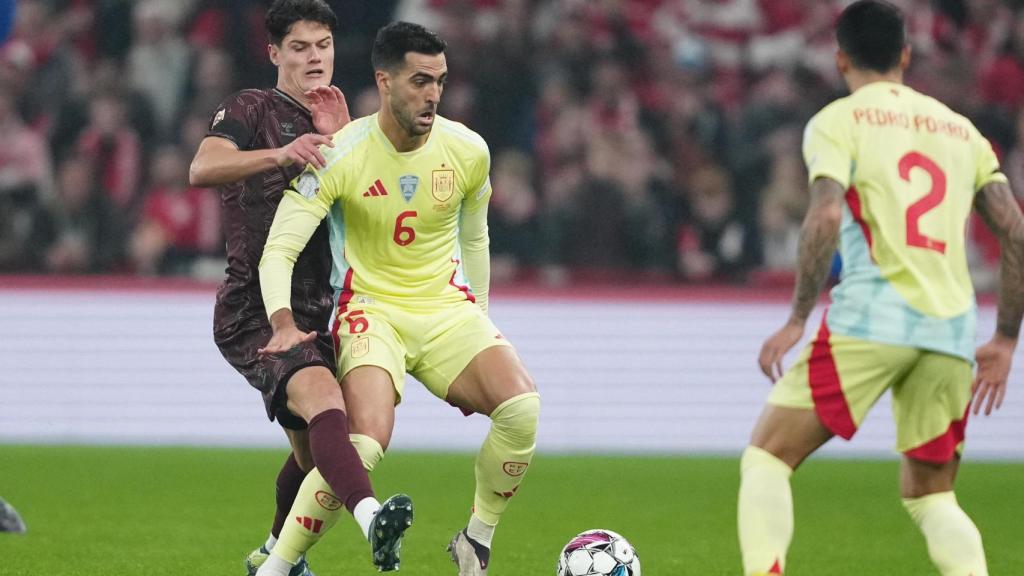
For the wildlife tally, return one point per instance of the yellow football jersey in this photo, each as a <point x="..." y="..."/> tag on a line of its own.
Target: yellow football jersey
<point x="401" y="224"/>
<point x="911" y="167"/>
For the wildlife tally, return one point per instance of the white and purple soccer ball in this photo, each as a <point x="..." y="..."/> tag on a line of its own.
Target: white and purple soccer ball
<point x="598" y="553"/>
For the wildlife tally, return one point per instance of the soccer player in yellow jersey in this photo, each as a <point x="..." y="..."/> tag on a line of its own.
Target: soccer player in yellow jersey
<point x="893" y="175"/>
<point x="405" y="192"/>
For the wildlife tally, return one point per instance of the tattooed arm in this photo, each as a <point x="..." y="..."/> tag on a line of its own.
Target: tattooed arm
<point x="997" y="206"/>
<point x="819" y="237"/>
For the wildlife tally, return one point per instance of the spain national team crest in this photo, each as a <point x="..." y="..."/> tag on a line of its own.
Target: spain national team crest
<point x="443" y="185"/>
<point x="327" y="500"/>
<point x="515" y="468"/>
<point x="360" y="347"/>
<point x="408" y="184"/>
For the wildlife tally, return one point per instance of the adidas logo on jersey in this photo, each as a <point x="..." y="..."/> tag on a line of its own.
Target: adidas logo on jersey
<point x="377" y="189"/>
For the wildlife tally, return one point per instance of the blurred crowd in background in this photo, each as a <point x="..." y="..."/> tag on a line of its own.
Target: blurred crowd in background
<point x="631" y="140"/>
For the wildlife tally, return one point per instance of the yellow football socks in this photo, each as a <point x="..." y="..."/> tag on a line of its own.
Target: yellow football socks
<point x="315" y="511"/>
<point x="765" y="512"/>
<point x="954" y="543"/>
<point x="505" y="455"/>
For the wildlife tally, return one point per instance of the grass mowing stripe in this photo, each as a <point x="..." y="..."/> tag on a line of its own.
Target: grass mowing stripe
<point x="155" y="511"/>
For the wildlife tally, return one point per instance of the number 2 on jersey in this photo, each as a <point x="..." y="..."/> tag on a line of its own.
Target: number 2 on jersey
<point x="404" y="235"/>
<point x="935" y="196"/>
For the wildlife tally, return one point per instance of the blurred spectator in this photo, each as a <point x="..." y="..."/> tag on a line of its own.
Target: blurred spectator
<point x="1002" y="82"/>
<point x="560" y="130"/>
<point x="612" y="106"/>
<point x="158" y="62"/>
<point x="512" y="216"/>
<point x="712" y="241"/>
<point x="611" y="219"/>
<point x="212" y="78"/>
<point x="179" y="224"/>
<point x="784" y="202"/>
<point x="84" y="232"/>
<point x="24" y="157"/>
<point x="114" y="149"/>
<point x="103" y="78"/>
<point x="194" y="127"/>
<point x="25" y="184"/>
<point x="46" y="49"/>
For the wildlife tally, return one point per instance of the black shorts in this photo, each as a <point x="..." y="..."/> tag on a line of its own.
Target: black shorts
<point x="270" y="374"/>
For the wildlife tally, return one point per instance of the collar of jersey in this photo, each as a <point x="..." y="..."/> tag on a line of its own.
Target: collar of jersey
<point x="880" y="85"/>
<point x="293" y="101"/>
<point x="379" y="133"/>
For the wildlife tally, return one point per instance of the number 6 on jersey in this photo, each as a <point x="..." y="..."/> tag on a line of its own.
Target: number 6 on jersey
<point x="404" y="235"/>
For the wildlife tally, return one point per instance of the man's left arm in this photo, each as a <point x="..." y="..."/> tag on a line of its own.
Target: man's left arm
<point x="294" y="223"/>
<point x="819" y="238"/>
<point x="476" y="254"/>
<point x="473" y="237"/>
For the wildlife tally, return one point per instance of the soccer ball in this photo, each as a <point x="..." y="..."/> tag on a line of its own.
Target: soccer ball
<point x="598" y="553"/>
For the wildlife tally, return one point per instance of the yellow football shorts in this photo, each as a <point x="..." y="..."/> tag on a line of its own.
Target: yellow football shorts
<point x="841" y="378"/>
<point x="434" y="345"/>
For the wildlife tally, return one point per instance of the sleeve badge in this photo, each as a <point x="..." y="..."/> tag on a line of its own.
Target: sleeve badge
<point x="307" y="185"/>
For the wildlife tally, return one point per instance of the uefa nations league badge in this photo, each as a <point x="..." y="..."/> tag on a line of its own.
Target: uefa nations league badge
<point x="408" y="184"/>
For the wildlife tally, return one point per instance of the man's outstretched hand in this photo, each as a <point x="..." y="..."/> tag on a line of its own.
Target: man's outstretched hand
<point x="329" y="109"/>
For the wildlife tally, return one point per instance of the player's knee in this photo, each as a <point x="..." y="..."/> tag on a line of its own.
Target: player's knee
<point x="518" y="416"/>
<point x="758" y="458"/>
<point x="370" y="451"/>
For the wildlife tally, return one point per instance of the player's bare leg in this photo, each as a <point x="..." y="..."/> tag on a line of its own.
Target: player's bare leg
<point x="954" y="543"/>
<point x="370" y="396"/>
<point x="783" y="438"/>
<point x="495" y="383"/>
<point x="371" y="406"/>
<point x="338" y="479"/>
<point x="299" y="441"/>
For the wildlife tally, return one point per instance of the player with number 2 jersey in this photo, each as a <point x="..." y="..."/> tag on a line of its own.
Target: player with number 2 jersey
<point x="910" y="167"/>
<point x="894" y="175"/>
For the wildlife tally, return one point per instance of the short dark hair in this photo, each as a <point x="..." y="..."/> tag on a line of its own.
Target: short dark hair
<point x="872" y="34"/>
<point x="398" y="38"/>
<point x="283" y="14"/>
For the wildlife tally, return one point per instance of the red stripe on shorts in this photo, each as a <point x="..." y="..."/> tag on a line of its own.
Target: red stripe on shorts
<point x="942" y="448"/>
<point x="343" y="299"/>
<point x="826" y="390"/>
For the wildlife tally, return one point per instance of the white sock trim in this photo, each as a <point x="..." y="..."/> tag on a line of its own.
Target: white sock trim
<point x="275" y="566"/>
<point x="364" y="512"/>
<point x="269" y="544"/>
<point x="480" y="531"/>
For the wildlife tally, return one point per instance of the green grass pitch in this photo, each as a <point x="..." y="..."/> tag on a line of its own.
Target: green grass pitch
<point x="191" y="512"/>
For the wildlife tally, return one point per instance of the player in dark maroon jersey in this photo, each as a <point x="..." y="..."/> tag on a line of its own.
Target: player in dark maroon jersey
<point x="258" y="141"/>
